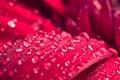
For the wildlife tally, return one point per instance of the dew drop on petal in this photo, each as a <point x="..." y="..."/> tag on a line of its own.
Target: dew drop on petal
<point x="29" y="52"/>
<point x="21" y="61"/>
<point x="26" y="44"/>
<point x="27" y="76"/>
<point x="35" y="70"/>
<point x="90" y="47"/>
<point x="19" y="49"/>
<point x="58" y="65"/>
<point x="34" y="59"/>
<point x="107" y="79"/>
<point x="60" y="78"/>
<point x="71" y="47"/>
<point x="67" y="63"/>
<point x="97" y="4"/>
<point x="42" y="74"/>
<point x="47" y="66"/>
<point x="38" y="53"/>
<point x="2" y="29"/>
<point x="53" y="60"/>
<point x="64" y="49"/>
<point x="118" y="71"/>
<point x="63" y="72"/>
<point x="11" y="23"/>
<point x="11" y="4"/>
<point x="70" y="74"/>
<point x="96" y="54"/>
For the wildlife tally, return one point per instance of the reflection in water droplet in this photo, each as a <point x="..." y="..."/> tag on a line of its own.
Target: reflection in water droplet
<point x="36" y="25"/>
<point x="11" y="3"/>
<point x="71" y="74"/>
<point x="26" y="44"/>
<point x="53" y="60"/>
<point x="67" y="63"/>
<point x="64" y="49"/>
<point x="27" y="76"/>
<point x="19" y="62"/>
<point x="96" y="54"/>
<point x="107" y="79"/>
<point x="42" y="74"/>
<point x="11" y="23"/>
<point x="47" y="66"/>
<point x="118" y="71"/>
<point x="2" y="29"/>
<point x="90" y="47"/>
<point x="35" y="70"/>
<point x="58" y="65"/>
<point x="34" y="59"/>
<point x="19" y="49"/>
<point x="38" y="53"/>
<point x="63" y="72"/>
<point x="71" y="47"/>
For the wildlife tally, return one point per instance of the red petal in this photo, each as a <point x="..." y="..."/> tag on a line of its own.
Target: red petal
<point x="51" y="56"/>
<point x="108" y="70"/>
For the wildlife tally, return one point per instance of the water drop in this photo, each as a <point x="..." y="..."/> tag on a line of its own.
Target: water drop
<point x="47" y="66"/>
<point x="71" y="74"/>
<point x="42" y="74"/>
<point x="35" y="70"/>
<point x="53" y="47"/>
<point x="85" y="35"/>
<point x="53" y="60"/>
<point x="118" y="71"/>
<point x="71" y="47"/>
<point x="63" y="72"/>
<point x="60" y="78"/>
<point x="34" y="59"/>
<point x="2" y="29"/>
<point x="38" y="53"/>
<point x="19" y="49"/>
<point x="29" y="52"/>
<point x="11" y="3"/>
<point x="64" y="49"/>
<point x="26" y="44"/>
<point x="42" y="57"/>
<point x="27" y="76"/>
<point x="78" y="67"/>
<point x="90" y="47"/>
<point x="36" y="25"/>
<point x="116" y="62"/>
<point x="67" y="63"/>
<point x="97" y="4"/>
<point x="58" y="65"/>
<point x="20" y="62"/>
<point x="96" y="54"/>
<point x="107" y="79"/>
<point x="11" y="23"/>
